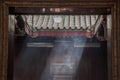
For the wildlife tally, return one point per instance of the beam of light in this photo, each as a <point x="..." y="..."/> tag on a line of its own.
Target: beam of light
<point x="63" y="60"/>
<point x="62" y="55"/>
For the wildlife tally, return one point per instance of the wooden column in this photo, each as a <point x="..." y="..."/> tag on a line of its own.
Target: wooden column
<point x="0" y="37"/>
<point x="118" y="14"/>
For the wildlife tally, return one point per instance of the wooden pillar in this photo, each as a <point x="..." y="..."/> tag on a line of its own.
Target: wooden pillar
<point x="0" y="37"/>
<point x="109" y="52"/>
<point x="118" y="15"/>
<point x="11" y="47"/>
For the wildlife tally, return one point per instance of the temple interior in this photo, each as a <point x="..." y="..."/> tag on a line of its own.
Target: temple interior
<point x="71" y="46"/>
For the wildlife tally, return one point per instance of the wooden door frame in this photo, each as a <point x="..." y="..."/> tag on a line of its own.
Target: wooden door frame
<point x="4" y="31"/>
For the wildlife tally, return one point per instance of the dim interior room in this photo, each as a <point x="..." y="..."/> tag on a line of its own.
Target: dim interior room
<point x="60" y="43"/>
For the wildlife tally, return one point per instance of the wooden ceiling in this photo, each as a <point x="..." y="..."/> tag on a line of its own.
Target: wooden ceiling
<point x="75" y="10"/>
